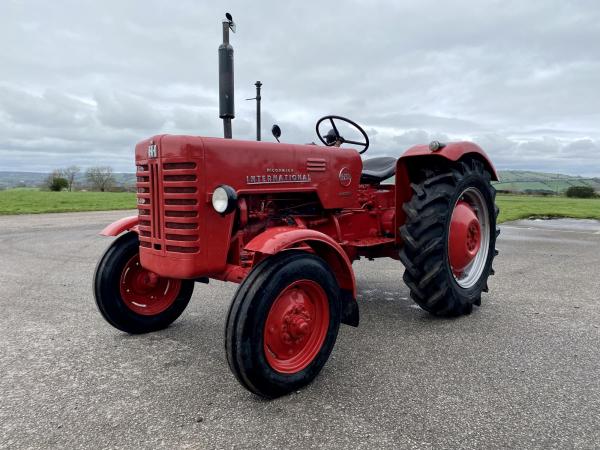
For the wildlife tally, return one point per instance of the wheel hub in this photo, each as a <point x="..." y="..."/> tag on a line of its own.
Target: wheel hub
<point x="465" y="237"/>
<point x="145" y="292"/>
<point x="296" y="326"/>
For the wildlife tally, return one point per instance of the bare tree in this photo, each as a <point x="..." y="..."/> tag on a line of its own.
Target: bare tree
<point x="69" y="174"/>
<point x="56" y="181"/>
<point x="100" y="177"/>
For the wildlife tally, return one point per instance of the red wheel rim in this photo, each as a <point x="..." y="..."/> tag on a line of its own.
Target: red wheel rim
<point x="145" y="292"/>
<point x="465" y="236"/>
<point x="296" y="326"/>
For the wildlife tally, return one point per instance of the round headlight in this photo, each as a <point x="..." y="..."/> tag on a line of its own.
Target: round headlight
<point x="224" y="199"/>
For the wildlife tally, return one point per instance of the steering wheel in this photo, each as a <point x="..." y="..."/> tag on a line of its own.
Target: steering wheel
<point x="337" y="137"/>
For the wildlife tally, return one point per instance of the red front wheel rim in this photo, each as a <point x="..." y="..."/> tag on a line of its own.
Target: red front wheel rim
<point x="296" y="327"/>
<point x="144" y="292"/>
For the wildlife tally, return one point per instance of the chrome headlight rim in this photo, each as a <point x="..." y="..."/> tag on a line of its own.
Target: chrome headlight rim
<point x="224" y="199"/>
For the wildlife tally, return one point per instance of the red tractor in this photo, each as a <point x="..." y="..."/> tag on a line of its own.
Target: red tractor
<point x="286" y="222"/>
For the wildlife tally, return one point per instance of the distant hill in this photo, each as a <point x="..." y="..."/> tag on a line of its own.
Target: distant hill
<point x="35" y="179"/>
<point x="21" y="179"/>
<point x="510" y="180"/>
<point x="528" y="181"/>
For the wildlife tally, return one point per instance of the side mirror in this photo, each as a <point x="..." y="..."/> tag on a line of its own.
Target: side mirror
<point x="276" y="132"/>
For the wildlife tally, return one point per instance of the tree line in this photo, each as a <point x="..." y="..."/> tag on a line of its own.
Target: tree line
<point x="99" y="178"/>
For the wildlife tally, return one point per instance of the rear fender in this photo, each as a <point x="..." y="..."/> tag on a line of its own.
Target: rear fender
<point x="124" y="224"/>
<point x="277" y="239"/>
<point x="452" y="151"/>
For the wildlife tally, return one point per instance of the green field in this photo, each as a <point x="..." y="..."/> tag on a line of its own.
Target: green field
<point x="513" y="207"/>
<point x="34" y="201"/>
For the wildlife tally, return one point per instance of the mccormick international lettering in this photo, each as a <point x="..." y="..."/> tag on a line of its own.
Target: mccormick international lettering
<point x="278" y="178"/>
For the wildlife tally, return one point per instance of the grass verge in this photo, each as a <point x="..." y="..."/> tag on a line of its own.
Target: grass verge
<point x="514" y="207"/>
<point x="34" y="201"/>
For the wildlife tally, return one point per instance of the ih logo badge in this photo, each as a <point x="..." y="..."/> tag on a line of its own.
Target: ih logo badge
<point x="345" y="177"/>
<point x="152" y="150"/>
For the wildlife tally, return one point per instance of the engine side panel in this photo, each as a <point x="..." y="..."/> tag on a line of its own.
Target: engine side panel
<point x="252" y="167"/>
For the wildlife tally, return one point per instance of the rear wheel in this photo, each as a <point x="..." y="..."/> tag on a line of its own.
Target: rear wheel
<point x="449" y="238"/>
<point x="133" y="299"/>
<point x="283" y="323"/>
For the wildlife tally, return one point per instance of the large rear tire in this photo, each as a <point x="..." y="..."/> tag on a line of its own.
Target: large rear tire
<point x="133" y="299"/>
<point x="449" y="237"/>
<point x="282" y="323"/>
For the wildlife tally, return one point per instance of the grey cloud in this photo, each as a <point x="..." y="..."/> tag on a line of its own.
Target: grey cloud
<point x="546" y="153"/>
<point x="120" y="111"/>
<point x="52" y="109"/>
<point x="424" y="120"/>
<point x="85" y="80"/>
<point x="412" y="137"/>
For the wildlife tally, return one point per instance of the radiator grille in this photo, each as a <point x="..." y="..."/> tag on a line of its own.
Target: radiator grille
<point x="168" y="206"/>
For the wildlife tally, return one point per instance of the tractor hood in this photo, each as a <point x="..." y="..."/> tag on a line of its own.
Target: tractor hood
<point x="255" y="167"/>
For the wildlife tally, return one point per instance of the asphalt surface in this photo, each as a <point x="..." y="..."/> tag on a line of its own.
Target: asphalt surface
<point x="523" y="371"/>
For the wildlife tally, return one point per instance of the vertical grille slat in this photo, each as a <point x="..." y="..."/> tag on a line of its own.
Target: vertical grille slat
<point x="154" y="190"/>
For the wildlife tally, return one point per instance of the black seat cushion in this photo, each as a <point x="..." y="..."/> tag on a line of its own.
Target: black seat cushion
<point x="375" y="170"/>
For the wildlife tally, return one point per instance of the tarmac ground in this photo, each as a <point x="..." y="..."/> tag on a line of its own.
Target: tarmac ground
<point x="522" y="371"/>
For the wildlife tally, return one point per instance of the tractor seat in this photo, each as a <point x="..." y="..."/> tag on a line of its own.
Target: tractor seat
<point x="375" y="170"/>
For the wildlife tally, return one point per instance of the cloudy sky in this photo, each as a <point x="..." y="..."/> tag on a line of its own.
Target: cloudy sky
<point x="82" y="81"/>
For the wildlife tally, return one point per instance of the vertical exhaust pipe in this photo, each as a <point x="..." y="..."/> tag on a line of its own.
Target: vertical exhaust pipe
<point x="226" y="98"/>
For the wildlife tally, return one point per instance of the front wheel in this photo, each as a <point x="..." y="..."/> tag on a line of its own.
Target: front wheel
<point x="283" y="323"/>
<point x="133" y="299"/>
<point x="449" y="237"/>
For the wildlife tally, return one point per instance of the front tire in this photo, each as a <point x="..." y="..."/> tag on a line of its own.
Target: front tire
<point x="282" y="323"/>
<point x="449" y="237"/>
<point x="133" y="299"/>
